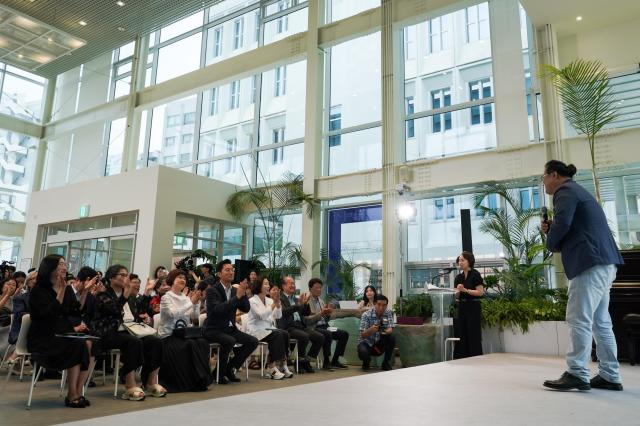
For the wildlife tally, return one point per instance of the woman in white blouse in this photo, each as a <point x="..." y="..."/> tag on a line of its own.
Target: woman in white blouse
<point x="186" y="361"/>
<point x="260" y="324"/>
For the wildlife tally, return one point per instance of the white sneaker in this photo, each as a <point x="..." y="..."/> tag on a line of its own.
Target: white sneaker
<point x="276" y="374"/>
<point x="287" y="373"/>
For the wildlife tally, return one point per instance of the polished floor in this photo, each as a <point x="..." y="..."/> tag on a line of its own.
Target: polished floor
<point x="496" y="389"/>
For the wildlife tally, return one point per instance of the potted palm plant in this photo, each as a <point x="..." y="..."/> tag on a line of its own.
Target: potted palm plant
<point x="587" y="101"/>
<point x="270" y="203"/>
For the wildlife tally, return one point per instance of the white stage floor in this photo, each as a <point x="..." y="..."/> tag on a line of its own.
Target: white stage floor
<point x="496" y="389"/>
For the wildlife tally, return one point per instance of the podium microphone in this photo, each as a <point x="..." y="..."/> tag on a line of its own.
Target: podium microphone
<point x="448" y="269"/>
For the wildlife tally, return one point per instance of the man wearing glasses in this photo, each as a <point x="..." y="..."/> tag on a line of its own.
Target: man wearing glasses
<point x="579" y="230"/>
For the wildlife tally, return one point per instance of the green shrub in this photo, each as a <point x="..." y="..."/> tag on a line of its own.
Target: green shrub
<point x="418" y="305"/>
<point x="503" y="312"/>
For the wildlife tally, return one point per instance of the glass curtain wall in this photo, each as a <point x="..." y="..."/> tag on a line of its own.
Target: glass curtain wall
<point x="21" y="93"/>
<point x="449" y="104"/>
<point x="225" y="241"/>
<point x="353" y="136"/>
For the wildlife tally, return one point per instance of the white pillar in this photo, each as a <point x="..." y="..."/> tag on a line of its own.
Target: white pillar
<point x="392" y="149"/>
<point x="508" y="74"/>
<point x="138" y="71"/>
<point x="312" y="137"/>
<point x="41" y="153"/>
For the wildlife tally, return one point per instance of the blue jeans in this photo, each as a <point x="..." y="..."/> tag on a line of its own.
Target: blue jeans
<point x="587" y="316"/>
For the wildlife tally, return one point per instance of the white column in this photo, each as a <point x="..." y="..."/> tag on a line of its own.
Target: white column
<point x="138" y="71"/>
<point x="312" y="137"/>
<point x="41" y="153"/>
<point x="392" y="149"/>
<point x="508" y="74"/>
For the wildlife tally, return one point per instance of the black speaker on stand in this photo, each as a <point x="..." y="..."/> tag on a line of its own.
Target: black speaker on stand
<point x="465" y="226"/>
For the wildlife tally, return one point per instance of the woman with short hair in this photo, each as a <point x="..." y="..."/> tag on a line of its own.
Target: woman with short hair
<point x="185" y="362"/>
<point x="112" y="310"/>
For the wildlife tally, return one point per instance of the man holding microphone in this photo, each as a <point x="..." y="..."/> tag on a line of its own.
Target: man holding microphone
<point x="579" y="230"/>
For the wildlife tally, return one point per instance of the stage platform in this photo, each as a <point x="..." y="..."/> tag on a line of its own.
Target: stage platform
<point x="495" y="389"/>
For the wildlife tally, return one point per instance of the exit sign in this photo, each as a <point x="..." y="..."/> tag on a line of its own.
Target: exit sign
<point x="84" y="210"/>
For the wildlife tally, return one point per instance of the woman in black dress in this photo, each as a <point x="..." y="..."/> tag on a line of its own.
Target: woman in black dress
<point x="49" y="316"/>
<point x="470" y="288"/>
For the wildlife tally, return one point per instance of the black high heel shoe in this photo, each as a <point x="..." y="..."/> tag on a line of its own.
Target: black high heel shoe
<point x="86" y="401"/>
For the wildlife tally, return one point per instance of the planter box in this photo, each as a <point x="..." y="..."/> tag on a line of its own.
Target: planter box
<point x="410" y="320"/>
<point x="543" y="338"/>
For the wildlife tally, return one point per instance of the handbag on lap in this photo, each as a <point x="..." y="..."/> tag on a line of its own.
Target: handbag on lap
<point x="183" y="331"/>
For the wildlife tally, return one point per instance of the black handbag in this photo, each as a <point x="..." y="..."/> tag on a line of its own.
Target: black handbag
<point x="183" y="331"/>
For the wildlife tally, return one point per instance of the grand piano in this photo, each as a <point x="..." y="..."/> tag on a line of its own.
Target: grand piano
<point x="625" y="298"/>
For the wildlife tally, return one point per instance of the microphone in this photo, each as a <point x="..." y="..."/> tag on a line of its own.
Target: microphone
<point x="448" y="269"/>
<point x="545" y="214"/>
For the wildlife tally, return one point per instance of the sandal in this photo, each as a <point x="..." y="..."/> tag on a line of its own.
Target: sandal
<point x="133" y="394"/>
<point x="157" y="391"/>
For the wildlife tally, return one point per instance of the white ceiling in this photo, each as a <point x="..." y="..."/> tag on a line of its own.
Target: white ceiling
<point x="595" y="13"/>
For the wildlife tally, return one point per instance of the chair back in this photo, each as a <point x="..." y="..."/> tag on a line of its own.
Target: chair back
<point x="201" y="319"/>
<point x="21" y="344"/>
<point x="156" y="321"/>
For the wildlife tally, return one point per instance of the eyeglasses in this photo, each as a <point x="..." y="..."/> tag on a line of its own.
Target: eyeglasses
<point x="543" y="176"/>
<point x="123" y="274"/>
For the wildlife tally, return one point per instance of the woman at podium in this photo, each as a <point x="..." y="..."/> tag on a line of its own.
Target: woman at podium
<point x="469" y="292"/>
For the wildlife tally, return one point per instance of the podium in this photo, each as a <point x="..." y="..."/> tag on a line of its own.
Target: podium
<point x="439" y="294"/>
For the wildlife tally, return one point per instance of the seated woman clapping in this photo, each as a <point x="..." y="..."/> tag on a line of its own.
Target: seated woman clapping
<point x="260" y="324"/>
<point x="49" y="319"/>
<point x="112" y="309"/>
<point x="185" y="361"/>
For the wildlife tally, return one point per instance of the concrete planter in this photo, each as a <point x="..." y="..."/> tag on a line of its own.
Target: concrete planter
<point x="543" y="338"/>
<point x="418" y="344"/>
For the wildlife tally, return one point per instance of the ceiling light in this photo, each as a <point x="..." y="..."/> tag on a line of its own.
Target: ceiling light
<point x="121" y="28"/>
<point x="578" y="18"/>
<point x="20" y="55"/>
<point x="120" y="3"/>
<point x="82" y="23"/>
<point x="49" y="39"/>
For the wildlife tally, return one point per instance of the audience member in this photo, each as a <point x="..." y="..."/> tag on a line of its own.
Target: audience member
<point x="161" y="287"/>
<point x="48" y="318"/>
<point x="319" y="321"/>
<point x="368" y="301"/>
<point x="376" y="334"/>
<point x="185" y="362"/>
<point x="293" y="312"/>
<point x="112" y="310"/>
<point x="260" y="324"/>
<point x="20" y="307"/>
<point x="223" y="301"/>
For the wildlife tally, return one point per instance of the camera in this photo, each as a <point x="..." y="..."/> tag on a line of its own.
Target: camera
<point x="401" y="188"/>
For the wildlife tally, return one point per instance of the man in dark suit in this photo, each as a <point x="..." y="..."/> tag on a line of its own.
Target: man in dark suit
<point x="293" y="312"/>
<point x="223" y="300"/>
<point x="579" y="230"/>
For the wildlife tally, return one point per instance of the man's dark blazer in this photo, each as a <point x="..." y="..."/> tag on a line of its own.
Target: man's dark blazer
<point x="580" y="231"/>
<point x="287" y="321"/>
<point x="221" y="313"/>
